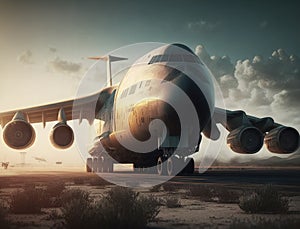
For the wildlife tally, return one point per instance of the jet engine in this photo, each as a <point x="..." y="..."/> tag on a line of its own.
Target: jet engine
<point x="18" y="133"/>
<point x="245" y="139"/>
<point x="282" y="140"/>
<point x="62" y="136"/>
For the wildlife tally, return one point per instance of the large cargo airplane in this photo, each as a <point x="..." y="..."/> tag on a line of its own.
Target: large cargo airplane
<point x="154" y="118"/>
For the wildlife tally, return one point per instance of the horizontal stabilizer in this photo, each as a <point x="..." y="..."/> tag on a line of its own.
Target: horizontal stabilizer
<point x="108" y="59"/>
<point x="105" y="58"/>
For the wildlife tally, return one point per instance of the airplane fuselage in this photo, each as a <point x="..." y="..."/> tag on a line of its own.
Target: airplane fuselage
<point x="167" y="85"/>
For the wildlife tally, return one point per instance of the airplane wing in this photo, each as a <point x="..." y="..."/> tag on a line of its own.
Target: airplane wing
<point x="74" y="109"/>
<point x="248" y="133"/>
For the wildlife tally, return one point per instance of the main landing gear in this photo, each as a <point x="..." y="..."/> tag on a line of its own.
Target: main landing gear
<point x="166" y="164"/>
<point x="99" y="165"/>
<point x="173" y="165"/>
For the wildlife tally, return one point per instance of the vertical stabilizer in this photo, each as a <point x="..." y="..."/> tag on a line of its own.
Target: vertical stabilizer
<point x="108" y="60"/>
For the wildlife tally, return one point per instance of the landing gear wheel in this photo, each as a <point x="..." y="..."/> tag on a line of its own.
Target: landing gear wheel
<point x="95" y="165"/>
<point x="100" y="164"/>
<point x="88" y="167"/>
<point x="170" y="166"/>
<point x="107" y="165"/>
<point x="190" y="166"/>
<point x="173" y="166"/>
<point x="161" y="167"/>
<point x="151" y="170"/>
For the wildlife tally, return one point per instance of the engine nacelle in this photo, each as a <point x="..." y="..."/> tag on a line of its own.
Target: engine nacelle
<point x="245" y="139"/>
<point x="282" y="140"/>
<point x="62" y="136"/>
<point x="18" y="133"/>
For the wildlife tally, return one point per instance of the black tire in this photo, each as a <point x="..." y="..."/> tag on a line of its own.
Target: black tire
<point x="161" y="167"/>
<point x="95" y="165"/>
<point x="107" y="165"/>
<point x="190" y="167"/>
<point x="170" y="166"/>
<point x="100" y="164"/>
<point x="110" y="166"/>
<point x="174" y="166"/>
<point x="89" y="163"/>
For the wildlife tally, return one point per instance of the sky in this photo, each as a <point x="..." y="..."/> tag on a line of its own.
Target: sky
<point x="252" y="47"/>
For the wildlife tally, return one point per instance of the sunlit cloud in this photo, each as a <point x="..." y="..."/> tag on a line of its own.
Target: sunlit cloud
<point x="267" y="86"/>
<point x="63" y="66"/>
<point x="26" y="57"/>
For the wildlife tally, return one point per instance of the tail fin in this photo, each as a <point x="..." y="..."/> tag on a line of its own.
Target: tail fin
<point x="108" y="60"/>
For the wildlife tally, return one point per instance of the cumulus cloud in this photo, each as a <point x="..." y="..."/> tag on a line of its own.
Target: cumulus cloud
<point x="63" y="66"/>
<point x="26" y="57"/>
<point x="262" y="86"/>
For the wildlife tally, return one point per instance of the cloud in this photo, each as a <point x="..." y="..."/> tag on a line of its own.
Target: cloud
<point x="26" y="57"/>
<point x="262" y="86"/>
<point x="63" y="66"/>
<point x="202" y="25"/>
<point x="52" y="49"/>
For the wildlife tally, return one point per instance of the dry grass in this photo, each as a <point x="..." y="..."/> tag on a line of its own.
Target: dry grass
<point x="203" y="192"/>
<point x="213" y="193"/>
<point x="29" y="201"/>
<point x="172" y="202"/>
<point x="264" y="200"/>
<point x="4" y="223"/>
<point x="118" y="208"/>
<point x="263" y="223"/>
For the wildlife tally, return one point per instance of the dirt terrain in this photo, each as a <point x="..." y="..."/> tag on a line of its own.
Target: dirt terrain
<point x="192" y="212"/>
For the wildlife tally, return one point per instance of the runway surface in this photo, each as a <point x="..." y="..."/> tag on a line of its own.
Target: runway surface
<point x="246" y="176"/>
<point x="286" y="178"/>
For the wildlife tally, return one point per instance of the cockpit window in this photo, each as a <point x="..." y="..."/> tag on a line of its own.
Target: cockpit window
<point x="155" y="59"/>
<point x="174" y="58"/>
<point x="164" y="58"/>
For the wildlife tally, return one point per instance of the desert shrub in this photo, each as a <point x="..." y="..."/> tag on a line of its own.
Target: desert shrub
<point x="75" y="208"/>
<point x="125" y="208"/>
<point x="53" y="215"/>
<point x="155" y="188"/>
<point x="172" y="202"/>
<point x="55" y="189"/>
<point x="225" y="195"/>
<point x="28" y="201"/>
<point x="4" y="223"/>
<point x="119" y="208"/>
<point x="203" y="192"/>
<point x="168" y="187"/>
<point x="264" y="200"/>
<point x="98" y="181"/>
<point x="263" y="223"/>
<point x="79" y="180"/>
<point x="69" y="195"/>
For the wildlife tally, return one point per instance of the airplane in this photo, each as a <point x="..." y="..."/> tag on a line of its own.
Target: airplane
<point x="4" y="164"/>
<point x="40" y="159"/>
<point x="154" y="118"/>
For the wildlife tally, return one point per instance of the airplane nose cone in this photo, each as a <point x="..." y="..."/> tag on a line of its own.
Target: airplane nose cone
<point x="195" y="95"/>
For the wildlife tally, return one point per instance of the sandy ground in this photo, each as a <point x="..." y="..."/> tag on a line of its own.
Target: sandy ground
<point x="193" y="213"/>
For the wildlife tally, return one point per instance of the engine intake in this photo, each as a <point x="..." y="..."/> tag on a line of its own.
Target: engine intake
<point x="62" y="136"/>
<point x="282" y="140"/>
<point x="18" y="133"/>
<point x="245" y="139"/>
